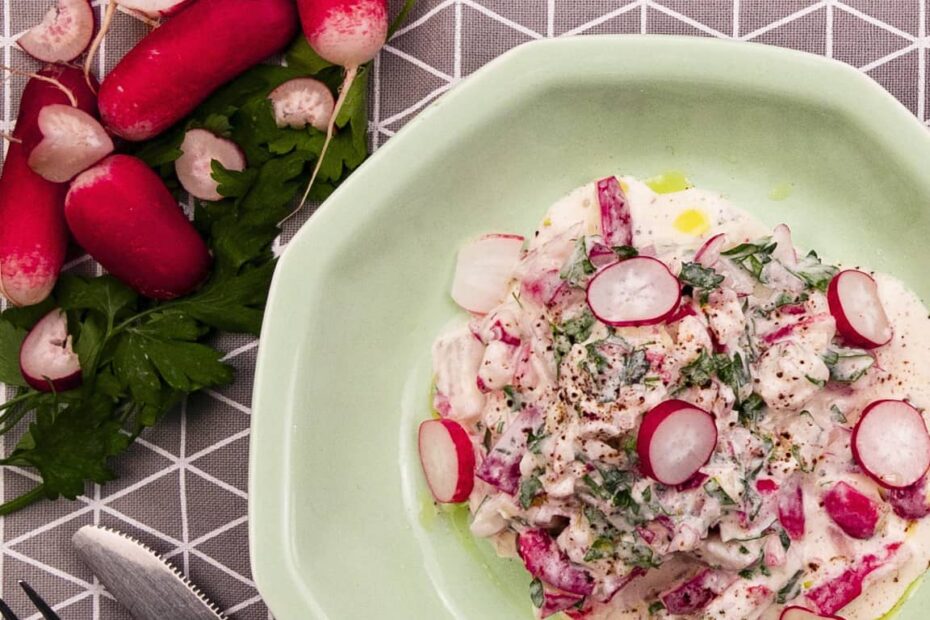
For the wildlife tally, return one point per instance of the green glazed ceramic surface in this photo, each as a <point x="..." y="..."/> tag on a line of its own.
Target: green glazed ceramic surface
<point x="341" y="524"/>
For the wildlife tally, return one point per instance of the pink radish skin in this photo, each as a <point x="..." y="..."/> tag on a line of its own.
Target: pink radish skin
<point x="301" y="102"/>
<point x="72" y="142"/>
<point x="63" y="34"/>
<point x="122" y="214"/>
<point x="33" y="234"/>
<point x="448" y="460"/>
<point x="855" y="304"/>
<point x="555" y="600"/>
<point x="851" y="510"/>
<point x="637" y="291"/>
<point x="483" y="271"/>
<point x="675" y="440"/>
<point x="194" y="167"/>
<point x="799" y="613"/>
<point x="178" y="65"/>
<point x="832" y="596"/>
<point x="696" y="593"/>
<point x="910" y="502"/>
<point x="891" y="444"/>
<point x="155" y="8"/>
<point x="616" y="220"/>
<point x="46" y="359"/>
<point x="791" y="510"/>
<point x="501" y="465"/>
<point x="709" y="253"/>
<point x="544" y="559"/>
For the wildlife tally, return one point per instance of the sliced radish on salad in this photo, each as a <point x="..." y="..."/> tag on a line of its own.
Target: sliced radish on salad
<point x="154" y="8"/>
<point x="799" y="613"/>
<point x="637" y="291"/>
<point x="195" y="165"/>
<point x="46" y="359"/>
<point x="448" y="460"/>
<point x="301" y="102"/>
<point x="857" y="308"/>
<point x="709" y="252"/>
<point x="544" y="559"/>
<point x="484" y="270"/>
<point x="63" y="34"/>
<point x="616" y="219"/>
<point x="72" y="141"/>
<point x="675" y="440"/>
<point x="891" y="443"/>
<point x="784" y="248"/>
<point x="790" y="507"/>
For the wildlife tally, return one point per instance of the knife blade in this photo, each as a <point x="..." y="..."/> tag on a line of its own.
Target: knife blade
<point x="148" y="586"/>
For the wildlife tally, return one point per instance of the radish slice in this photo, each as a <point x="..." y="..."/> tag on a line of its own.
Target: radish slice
<point x="448" y="460"/>
<point x="616" y="219"/>
<point x="46" y="359"/>
<point x="63" y="34"/>
<point x="637" y="291"/>
<point x="72" y="141"/>
<point x="799" y="613"/>
<point x="784" y="249"/>
<point x="195" y="165"/>
<point x="857" y="308"/>
<point x="544" y="559"/>
<point x="709" y="253"/>
<point x="154" y="8"/>
<point x="675" y="440"/>
<point x="484" y="270"/>
<point x="301" y="102"/>
<point x="891" y="444"/>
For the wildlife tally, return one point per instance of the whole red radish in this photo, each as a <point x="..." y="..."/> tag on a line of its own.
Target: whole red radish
<point x="121" y="212"/>
<point x="46" y="358"/>
<point x="176" y="67"/>
<point x="33" y="234"/>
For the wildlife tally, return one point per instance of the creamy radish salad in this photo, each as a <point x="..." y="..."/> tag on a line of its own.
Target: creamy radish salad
<point x="665" y="410"/>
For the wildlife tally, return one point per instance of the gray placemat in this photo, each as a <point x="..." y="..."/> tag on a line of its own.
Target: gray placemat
<point x="183" y="485"/>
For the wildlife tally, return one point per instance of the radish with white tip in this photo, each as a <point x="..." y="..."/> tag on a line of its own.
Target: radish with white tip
<point x="301" y="102"/>
<point x="72" y="141"/>
<point x="709" y="252"/>
<point x="675" y="440"/>
<point x="194" y="167"/>
<point x="448" y="460"/>
<point x="855" y="304"/>
<point x="46" y="358"/>
<point x="891" y="444"/>
<point x="484" y="270"/>
<point x="154" y="8"/>
<point x="63" y="34"/>
<point x="636" y="291"/>
<point x="799" y="613"/>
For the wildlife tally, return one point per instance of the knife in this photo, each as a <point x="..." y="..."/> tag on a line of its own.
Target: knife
<point x="148" y="586"/>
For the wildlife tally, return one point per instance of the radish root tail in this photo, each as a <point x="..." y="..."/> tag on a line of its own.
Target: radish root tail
<point x="5" y="135"/>
<point x="44" y="78"/>
<point x="145" y="19"/>
<point x="95" y="44"/>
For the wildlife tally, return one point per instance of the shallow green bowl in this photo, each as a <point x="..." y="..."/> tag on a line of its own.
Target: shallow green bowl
<point x="341" y="524"/>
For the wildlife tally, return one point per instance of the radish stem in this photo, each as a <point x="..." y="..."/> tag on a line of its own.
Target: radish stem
<point x="145" y="19"/>
<point x="95" y="44"/>
<point x="44" y="78"/>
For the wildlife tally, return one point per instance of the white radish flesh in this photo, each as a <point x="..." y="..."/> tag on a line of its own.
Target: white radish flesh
<point x="72" y="141"/>
<point x="709" y="253"/>
<point x="63" y="34"/>
<point x="637" y="291"/>
<point x="154" y="8"/>
<point x="46" y="359"/>
<point x="799" y="613"/>
<point x="855" y="304"/>
<point x="448" y="460"/>
<point x="195" y="166"/>
<point x="891" y="443"/>
<point x="301" y="102"/>
<point x="484" y="270"/>
<point x="784" y="248"/>
<point x="675" y="440"/>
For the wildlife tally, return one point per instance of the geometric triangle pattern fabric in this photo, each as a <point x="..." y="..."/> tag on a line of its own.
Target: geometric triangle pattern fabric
<point x="183" y="486"/>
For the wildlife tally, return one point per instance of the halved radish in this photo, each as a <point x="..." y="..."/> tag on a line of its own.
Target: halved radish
<point x="63" y="34"/>
<point x="799" y="613"/>
<point x="709" y="252"/>
<point x="784" y="249"/>
<point x="616" y="219"/>
<point x="637" y="291"/>
<point x="891" y="444"/>
<point x="484" y="270"/>
<point x="46" y="359"/>
<point x="857" y="308"/>
<point x="195" y="165"/>
<point x="448" y="460"/>
<point x="72" y="141"/>
<point x="154" y="8"/>
<point x="675" y="440"/>
<point x="301" y="102"/>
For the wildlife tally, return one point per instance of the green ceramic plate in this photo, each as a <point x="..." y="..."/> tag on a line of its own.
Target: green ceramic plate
<point x="341" y="527"/>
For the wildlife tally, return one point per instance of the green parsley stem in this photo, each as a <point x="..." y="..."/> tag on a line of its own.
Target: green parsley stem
<point x="26" y="499"/>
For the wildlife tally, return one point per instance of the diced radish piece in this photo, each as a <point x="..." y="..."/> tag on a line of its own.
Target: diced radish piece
<point x="555" y="600"/>
<point x="791" y="509"/>
<point x="695" y="481"/>
<point x="72" y="141"/>
<point x="910" y="502"/>
<point x="46" y="359"/>
<point x="301" y="102"/>
<point x="799" y="613"/>
<point x="784" y="249"/>
<point x="448" y="460"/>
<point x="683" y="310"/>
<point x="857" y="308"/>
<point x="709" y="253"/>
<point x="484" y="270"/>
<point x="890" y="442"/>
<point x="614" y="582"/>
<point x="63" y="34"/>
<point x="501" y="466"/>
<point x="675" y="440"/>
<point x="543" y="559"/>
<point x="832" y="596"/>
<point x="195" y="165"/>
<point x="601" y="255"/>
<point x="616" y="220"/>
<point x="154" y="8"/>
<point x="544" y="288"/>
<point x="696" y="593"/>
<point x="637" y="291"/>
<point x="735" y="277"/>
<point x="853" y="511"/>
<point x="766" y="486"/>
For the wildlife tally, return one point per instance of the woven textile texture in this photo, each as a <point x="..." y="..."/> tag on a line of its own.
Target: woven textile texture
<point x="183" y="486"/>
